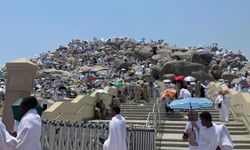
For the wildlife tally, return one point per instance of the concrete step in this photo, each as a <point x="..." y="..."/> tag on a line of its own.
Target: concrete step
<point x="141" y="113"/>
<point x="173" y="124"/>
<point x="137" y="108"/>
<point x="145" y="115"/>
<point x="132" y="113"/>
<point x="170" y="148"/>
<point x="231" y="128"/>
<point x="182" y="144"/>
<point x="237" y="139"/>
<point x="185" y="119"/>
<point x="236" y="123"/>
<point x="232" y="132"/>
<point x="136" y="117"/>
<point x="241" y="142"/>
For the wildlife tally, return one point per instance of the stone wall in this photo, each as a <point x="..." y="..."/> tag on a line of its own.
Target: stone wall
<point x="81" y="108"/>
<point x="240" y="102"/>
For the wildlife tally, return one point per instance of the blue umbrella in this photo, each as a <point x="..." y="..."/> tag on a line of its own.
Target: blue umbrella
<point x="191" y="103"/>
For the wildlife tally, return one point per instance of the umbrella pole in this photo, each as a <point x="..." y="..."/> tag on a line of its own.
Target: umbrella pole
<point x="191" y="116"/>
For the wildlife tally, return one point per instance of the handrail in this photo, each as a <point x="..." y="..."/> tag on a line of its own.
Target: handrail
<point x="154" y="117"/>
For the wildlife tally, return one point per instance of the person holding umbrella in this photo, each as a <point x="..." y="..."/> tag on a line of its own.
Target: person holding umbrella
<point x="191" y="132"/>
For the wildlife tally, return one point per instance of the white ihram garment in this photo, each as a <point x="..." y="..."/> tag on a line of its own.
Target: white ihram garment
<point x="117" y="134"/>
<point x="184" y="93"/>
<point x="217" y="135"/>
<point x="225" y="107"/>
<point x="195" y="130"/>
<point x="28" y="134"/>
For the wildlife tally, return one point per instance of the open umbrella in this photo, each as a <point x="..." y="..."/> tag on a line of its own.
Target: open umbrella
<point x="166" y="81"/>
<point x="169" y="91"/>
<point x="191" y="103"/>
<point x="189" y="79"/>
<point x="179" y="78"/>
<point x="117" y="84"/>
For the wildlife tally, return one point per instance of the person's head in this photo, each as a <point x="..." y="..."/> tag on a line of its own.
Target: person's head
<point x="27" y="103"/>
<point x="206" y="119"/>
<point x="115" y="109"/>
<point x="192" y="115"/>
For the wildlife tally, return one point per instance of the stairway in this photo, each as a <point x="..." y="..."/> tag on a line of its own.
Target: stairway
<point x="173" y="124"/>
<point x="136" y="113"/>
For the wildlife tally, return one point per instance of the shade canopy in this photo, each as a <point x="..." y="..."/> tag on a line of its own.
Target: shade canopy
<point x="179" y="78"/>
<point x="191" y="103"/>
<point x="189" y="79"/>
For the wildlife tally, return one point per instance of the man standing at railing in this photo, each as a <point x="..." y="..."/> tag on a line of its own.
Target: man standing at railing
<point x="117" y="131"/>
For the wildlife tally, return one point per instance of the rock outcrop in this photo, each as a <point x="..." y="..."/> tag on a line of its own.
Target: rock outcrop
<point x="181" y="68"/>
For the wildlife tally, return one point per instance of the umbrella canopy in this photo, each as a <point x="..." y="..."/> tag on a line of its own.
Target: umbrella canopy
<point x="117" y="84"/>
<point x="191" y="103"/>
<point x="189" y="79"/>
<point x="179" y="78"/>
<point x="166" y="81"/>
<point x="169" y="91"/>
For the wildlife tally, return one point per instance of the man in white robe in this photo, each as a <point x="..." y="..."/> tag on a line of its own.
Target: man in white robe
<point x="29" y="129"/>
<point x="224" y="102"/>
<point x="184" y="93"/>
<point x="212" y="136"/>
<point x="117" y="131"/>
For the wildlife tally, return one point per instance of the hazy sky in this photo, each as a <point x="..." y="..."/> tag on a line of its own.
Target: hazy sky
<point x="29" y="27"/>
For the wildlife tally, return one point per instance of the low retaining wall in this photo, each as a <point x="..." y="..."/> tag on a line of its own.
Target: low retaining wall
<point x="240" y="102"/>
<point x="80" y="108"/>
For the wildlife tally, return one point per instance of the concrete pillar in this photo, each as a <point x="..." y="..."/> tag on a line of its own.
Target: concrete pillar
<point x="20" y="83"/>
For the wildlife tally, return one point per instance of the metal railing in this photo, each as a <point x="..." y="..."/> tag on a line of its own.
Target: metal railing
<point x="58" y="135"/>
<point x="154" y="117"/>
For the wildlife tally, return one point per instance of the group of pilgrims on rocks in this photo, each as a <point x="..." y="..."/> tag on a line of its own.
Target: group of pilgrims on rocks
<point x="137" y="68"/>
<point x="141" y="70"/>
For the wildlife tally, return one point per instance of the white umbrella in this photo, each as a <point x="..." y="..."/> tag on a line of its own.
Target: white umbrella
<point x="166" y="81"/>
<point x="235" y="69"/>
<point x="190" y="79"/>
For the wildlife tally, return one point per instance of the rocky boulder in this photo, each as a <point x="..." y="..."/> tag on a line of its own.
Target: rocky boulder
<point x="240" y="56"/>
<point x="155" y="72"/>
<point x="168" y="76"/>
<point x="148" y="78"/>
<point x="236" y="64"/>
<point x="182" y="55"/>
<point x="223" y="63"/>
<point x="202" y="58"/>
<point x="217" y="73"/>
<point x="143" y="52"/>
<point x="202" y="76"/>
<point x="179" y="50"/>
<point x="181" y="68"/>
<point x="244" y="69"/>
<point x="228" y="76"/>
<point x="119" y="64"/>
<point x="214" y="67"/>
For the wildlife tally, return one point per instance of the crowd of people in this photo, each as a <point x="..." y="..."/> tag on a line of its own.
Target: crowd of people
<point x="71" y="69"/>
<point x="82" y="67"/>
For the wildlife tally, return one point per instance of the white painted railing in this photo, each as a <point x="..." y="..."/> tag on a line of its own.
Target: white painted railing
<point x="154" y="117"/>
<point x="58" y="135"/>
